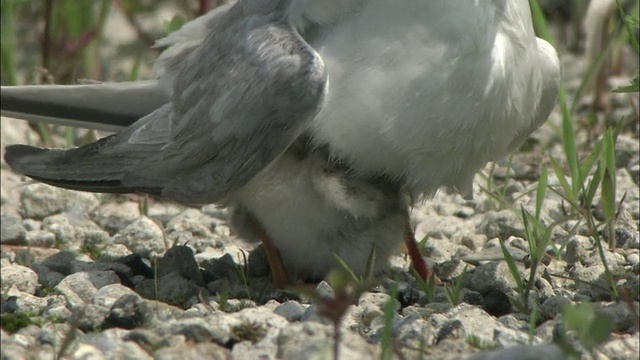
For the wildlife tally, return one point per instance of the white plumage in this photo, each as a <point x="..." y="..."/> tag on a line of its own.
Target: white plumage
<point x="421" y="94"/>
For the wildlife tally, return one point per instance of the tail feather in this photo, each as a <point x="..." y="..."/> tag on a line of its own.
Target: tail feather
<point x="102" y="106"/>
<point x="82" y="168"/>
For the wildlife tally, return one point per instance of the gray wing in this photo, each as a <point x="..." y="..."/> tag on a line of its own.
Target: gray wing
<point x="238" y="101"/>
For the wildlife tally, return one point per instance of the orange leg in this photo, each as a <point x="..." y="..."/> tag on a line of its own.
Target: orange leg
<point x="278" y="274"/>
<point x="414" y="253"/>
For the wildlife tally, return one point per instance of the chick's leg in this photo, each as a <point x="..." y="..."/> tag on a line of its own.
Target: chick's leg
<point x="414" y="253"/>
<point x="278" y="273"/>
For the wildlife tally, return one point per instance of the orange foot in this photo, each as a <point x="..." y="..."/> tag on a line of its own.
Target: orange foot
<point x="278" y="274"/>
<point x="414" y="253"/>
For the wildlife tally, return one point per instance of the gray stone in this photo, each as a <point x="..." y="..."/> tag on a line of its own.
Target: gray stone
<point x="466" y="320"/>
<point x="128" y="312"/>
<point x="79" y="288"/>
<point x="633" y="259"/>
<point x="118" y="268"/>
<point x="290" y="310"/>
<point x="620" y="315"/>
<point x="107" y="295"/>
<point x="442" y="227"/>
<point x="180" y="259"/>
<point x="40" y="238"/>
<point x="30" y="304"/>
<point x="111" y="343"/>
<point x="502" y="225"/>
<point x="58" y="312"/>
<point x="193" y="352"/>
<point x="47" y="277"/>
<point x="88" y="317"/>
<point x="308" y="340"/>
<point x="312" y="315"/>
<point x="213" y="328"/>
<point x="513" y="322"/>
<point x="192" y="227"/>
<point x="31" y="225"/>
<point x="74" y="232"/>
<point x="490" y="276"/>
<point x="172" y="288"/>
<point x="591" y="282"/>
<point x="40" y="200"/>
<point x="325" y="291"/>
<point x="143" y="237"/>
<point x="114" y="217"/>
<point x="547" y="352"/>
<point x="19" y="277"/>
<point x="113" y="252"/>
<point x="12" y="232"/>
<point x="553" y="306"/>
<point x="60" y="262"/>
<point x="622" y="347"/>
<point x="545" y="331"/>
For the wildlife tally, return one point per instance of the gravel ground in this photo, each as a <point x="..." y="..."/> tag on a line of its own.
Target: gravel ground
<point x="87" y="276"/>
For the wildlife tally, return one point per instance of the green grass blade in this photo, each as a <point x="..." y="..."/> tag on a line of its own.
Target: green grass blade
<point x="566" y="188"/>
<point x="541" y="191"/>
<point x="539" y="21"/>
<point x="513" y="269"/>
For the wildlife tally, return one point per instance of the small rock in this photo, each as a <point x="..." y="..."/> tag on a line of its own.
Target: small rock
<point x="621" y="347"/>
<point x="193" y="227"/>
<point x="128" y="312"/>
<point x="74" y="232"/>
<point x="31" y="225"/>
<point x="633" y="259"/>
<point x="490" y="276"/>
<point x="84" y="351"/>
<point x="143" y="237"/>
<point x="19" y="277"/>
<point x="553" y="306"/>
<point x="620" y="315"/>
<point x="88" y="317"/>
<point x="213" y="328"/>
<point x="79" y="288"/>
<point x="113" y="252"/>
<point x="47" y="277"/>
<point x="60" y="262"/>
<point x="547" y="352"/>
<point x="31" y="304"/>
<point x="58" y="312"/>
<point x="172" y="288"/>
<point x="325" y="291"/>
<point x="180" y="259"/>
<point x="497" y="303"/>
<point x="115" y="217"/>
<point x="12" y="232"/>
<point x="40" y="238"/>
<point x="193" y="352"/>
<point x="309" y="340"/>
<point x="467" y="320"/>
<point x="108" y="295"/>
<point x="137" y="265"/>
<point x="502" y="224"/>
<point x="290" y="310"/>
<point x="40" y="200"/>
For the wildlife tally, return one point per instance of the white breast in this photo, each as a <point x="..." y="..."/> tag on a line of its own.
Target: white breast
<point x="429" y="90"/>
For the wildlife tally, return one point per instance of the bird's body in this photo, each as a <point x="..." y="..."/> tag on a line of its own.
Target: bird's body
<point x="314" y="210"/>
<point x="421" y="94"/>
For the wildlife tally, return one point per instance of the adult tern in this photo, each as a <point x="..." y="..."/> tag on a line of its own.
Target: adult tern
<point x="318" y="120"/>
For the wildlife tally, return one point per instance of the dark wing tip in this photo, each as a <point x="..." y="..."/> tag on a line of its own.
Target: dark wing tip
<point x="29" y="160"/>
<point x="17" y="155"/>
